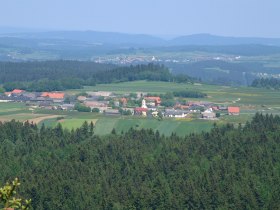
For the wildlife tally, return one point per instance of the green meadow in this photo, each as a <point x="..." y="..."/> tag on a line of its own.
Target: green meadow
<point x="105" y="125"/>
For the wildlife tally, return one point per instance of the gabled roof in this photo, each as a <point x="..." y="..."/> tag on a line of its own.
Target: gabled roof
<point x="53" y="95"/>
<point x="17" y="91"/>
<point x="153" y="98"/>
<point x="175" y="112"/>
<point x="123" y="100"/>
<point x="96" y="103"/>
<point x="215" y="108"/>
<point x="233" y="109"/>
<point x="140" y="109"/>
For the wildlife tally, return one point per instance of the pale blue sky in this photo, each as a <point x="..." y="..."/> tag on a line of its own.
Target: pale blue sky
<point x="259" y="18"/>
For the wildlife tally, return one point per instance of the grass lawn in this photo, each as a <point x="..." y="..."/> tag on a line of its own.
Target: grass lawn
<point x="74" y="123"/>
<point x="166" y="126"/>
<point x="6" y="107"/>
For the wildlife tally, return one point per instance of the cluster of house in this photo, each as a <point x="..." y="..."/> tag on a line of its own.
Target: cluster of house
<point x="183" y="111"/>
<point x="47" y="100"/>
<point x="211" y="113"/>
<point x="111" y="104"/>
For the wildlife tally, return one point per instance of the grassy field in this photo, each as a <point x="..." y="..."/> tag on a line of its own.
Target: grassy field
<point x="250" y="100"/>
<point x="105" y="125"/>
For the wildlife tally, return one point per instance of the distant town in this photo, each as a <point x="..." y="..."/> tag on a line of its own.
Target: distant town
<point x="135" y="59"/>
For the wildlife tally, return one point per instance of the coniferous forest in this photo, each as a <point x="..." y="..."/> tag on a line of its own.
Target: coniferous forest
<point x="226" y="168"/>
<point x="269" y="83"/>
<point x="62" y="75"/>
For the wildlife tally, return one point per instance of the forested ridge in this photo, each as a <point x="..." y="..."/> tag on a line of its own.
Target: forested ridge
<point x="269" y="83"/>
<point x="226" y="168"/>
<point x="32" y="71"/>
<point x="62" y="75"/>
<point x="221" y="72"/>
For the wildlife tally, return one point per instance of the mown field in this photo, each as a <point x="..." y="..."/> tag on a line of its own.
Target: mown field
<point x="104" y="125"/>
<point x="250" y="100"/>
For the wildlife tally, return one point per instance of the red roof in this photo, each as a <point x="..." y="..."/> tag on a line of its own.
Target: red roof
<point x="53" y="95"/>
<point x="17" y="91"/>
<point x="233" y="109"/>
<point x="123" y="100"/>
<point x="154" y="98"/>
<point x="140" y="109"/>
<point x="215" y="108"/>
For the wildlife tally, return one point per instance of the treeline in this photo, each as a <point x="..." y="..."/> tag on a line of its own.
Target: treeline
<point x="269" y="83"/>
<point x="48" y="85"/>
<point x="222" y="72"/>
<point x="49" y="75"/>
<point x="226" y="168"/>
<point x="152" y="72"/>
<point x="52" y="70"/>
<point x="60" y="75"/>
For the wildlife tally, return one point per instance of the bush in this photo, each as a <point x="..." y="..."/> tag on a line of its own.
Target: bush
<point x="82" y="108"/>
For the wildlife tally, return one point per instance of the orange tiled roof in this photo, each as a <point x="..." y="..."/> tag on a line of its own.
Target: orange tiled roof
<point x="123" y="100"/>
<point x="17" y="91"/>
<point x="53" y="95"/>
<point x="233" y="109"/>
<point x="154" y="98"/>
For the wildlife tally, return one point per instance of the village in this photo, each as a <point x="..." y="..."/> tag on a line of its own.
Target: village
<point x="111" y="104"/>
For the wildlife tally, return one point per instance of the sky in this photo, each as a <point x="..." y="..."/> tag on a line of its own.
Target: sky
<point x="248" y="18"/>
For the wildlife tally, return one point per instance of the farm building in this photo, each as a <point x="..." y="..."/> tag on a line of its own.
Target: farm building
<point x="208" y="115"/>
<point x="123" y="101"/>
<point x="175" y="113"/>
<point x="112" y="112"/>
<point x="140" y="111"/>
<point x="152" y="100"/>
<point x="233" y="110"/>
<point x="17" y="91"/>
<point x="53" y="95"/>
<point x="97" y="104"/>
<point x="100" y="93"/>
<point x="67" y="107"/>
<point x="81" y="98"/>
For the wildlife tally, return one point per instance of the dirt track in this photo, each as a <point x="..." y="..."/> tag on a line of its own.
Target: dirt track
<point x="39" y="119"/>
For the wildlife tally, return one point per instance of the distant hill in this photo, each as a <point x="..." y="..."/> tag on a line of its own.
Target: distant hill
<point x="208" y="39"/>
<point x="94" y="37"/>
<point x="136" y="40"/>
<point x="17" y="44"/>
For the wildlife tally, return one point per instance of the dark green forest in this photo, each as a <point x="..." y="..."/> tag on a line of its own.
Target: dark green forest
<point x="222" y="72"/>
<point x="52" y="70"/>
<point x="269" y="83"/>
<point x="226" y="168"/>
<point x="62" y="75"/>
